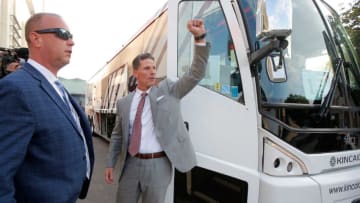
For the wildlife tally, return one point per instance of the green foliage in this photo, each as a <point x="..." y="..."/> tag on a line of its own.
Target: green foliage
<point x="351" y="22"/>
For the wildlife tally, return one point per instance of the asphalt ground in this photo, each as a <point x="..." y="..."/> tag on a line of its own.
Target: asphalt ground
<point x="99" y="191"/>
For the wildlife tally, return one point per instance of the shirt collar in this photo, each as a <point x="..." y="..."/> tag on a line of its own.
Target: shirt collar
<point x="44" y="71"/>
<point x="139" y="92"/>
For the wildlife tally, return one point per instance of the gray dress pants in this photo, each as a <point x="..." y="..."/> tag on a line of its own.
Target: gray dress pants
<point x="148" y="178"/>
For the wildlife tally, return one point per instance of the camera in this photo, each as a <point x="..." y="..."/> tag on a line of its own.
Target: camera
<point x="9" y="56"/>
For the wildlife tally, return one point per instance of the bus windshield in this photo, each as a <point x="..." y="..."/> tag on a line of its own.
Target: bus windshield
<point x="309" y="65"/>
<point x="317" y="108"/>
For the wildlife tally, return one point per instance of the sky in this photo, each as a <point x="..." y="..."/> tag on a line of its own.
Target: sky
<point x="100" y="29"/>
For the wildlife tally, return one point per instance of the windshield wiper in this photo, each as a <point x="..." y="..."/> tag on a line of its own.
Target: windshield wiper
<point x="329" y="97"/>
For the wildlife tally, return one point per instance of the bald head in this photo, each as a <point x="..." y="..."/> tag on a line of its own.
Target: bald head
<point x="49" y="40"/>
<point x="36" y="22"/>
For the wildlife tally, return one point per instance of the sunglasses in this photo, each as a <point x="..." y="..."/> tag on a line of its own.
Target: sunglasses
<point x="59" y="32"/>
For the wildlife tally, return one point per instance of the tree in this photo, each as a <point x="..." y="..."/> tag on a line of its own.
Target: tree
<point x="351" y="22"/>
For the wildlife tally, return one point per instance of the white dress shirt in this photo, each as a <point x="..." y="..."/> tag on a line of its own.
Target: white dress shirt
<point x="149" y="142"/>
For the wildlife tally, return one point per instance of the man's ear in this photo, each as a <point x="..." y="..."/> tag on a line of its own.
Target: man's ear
<point x="35" y="39"/>
<point x="135" y="74"/>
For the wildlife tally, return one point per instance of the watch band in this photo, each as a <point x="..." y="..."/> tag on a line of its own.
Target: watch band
<point x="200" y="37"/>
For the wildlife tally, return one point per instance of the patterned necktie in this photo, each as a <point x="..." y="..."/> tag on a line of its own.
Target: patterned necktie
<point x="135" y="137"/>
<point x="63" y="95"/>
<point x="70" y="107"/>
<point x="68" y="104"/>
<point x="66" y="100"/>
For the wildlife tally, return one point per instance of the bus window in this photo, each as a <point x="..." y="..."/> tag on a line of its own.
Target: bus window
<point x="223" y="74"/>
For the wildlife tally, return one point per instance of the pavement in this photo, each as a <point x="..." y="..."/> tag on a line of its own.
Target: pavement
<point x="99" y="191"/>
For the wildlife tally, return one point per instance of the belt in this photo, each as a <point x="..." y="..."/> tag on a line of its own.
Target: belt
<point x="150" y="155"/>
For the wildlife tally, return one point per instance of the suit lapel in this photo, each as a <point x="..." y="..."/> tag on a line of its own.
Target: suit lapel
<point x="51" y="92"/>
<point x="79" y="113"/>
<point x="153" y="103"/>
<point x="126" y="116"/>
<point x="59" y="102"/>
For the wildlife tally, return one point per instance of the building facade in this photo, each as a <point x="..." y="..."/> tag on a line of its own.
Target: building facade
<point x="13" y="15"/>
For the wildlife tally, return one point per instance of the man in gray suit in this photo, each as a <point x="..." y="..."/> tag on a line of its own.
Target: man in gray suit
<point x="146" y="163"/>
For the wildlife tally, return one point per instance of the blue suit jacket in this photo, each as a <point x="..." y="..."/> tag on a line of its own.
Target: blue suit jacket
<point x="41" y="150"/>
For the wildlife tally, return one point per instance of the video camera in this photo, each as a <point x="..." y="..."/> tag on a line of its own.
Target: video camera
<point x="8" y="56"/>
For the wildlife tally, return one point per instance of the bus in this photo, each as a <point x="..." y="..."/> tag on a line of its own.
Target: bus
<point x="276" y="118"/>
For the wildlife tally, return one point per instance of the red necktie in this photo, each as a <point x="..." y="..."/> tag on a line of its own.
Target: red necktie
<point x="135" y="137"/>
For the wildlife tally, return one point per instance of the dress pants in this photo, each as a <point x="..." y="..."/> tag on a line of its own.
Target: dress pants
<point x="148" y="178"/>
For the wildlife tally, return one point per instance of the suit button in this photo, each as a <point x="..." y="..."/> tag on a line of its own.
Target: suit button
<point x="84" y="157"/>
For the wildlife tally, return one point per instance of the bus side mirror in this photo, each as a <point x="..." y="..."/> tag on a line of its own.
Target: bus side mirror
<point x="275" y="67"/>
<point x="276" y="42"/>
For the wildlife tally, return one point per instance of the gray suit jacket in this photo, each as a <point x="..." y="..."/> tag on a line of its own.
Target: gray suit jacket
<point x="165" y="107"/>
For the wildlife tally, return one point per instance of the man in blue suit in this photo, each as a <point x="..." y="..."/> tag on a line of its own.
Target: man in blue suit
<point x="46" y="150"/>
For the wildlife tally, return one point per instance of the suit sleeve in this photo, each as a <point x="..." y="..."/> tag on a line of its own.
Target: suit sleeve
<point x="195" y="74"/>
<point x="17" y="127"/>
<point x="116" y="139"/>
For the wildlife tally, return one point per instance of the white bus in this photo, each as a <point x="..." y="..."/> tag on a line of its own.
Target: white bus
<point x="276" y="118"/>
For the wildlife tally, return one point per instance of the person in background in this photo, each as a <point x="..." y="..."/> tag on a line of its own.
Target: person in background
<point x="13" y="66"/>
<point x="149" y="136"/>
<point x="131" y="83"/>
<point x="11" y="60"/>
<point x="46" y="144"/>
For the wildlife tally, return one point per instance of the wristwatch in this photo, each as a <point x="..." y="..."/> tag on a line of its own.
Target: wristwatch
<point x="200" y="37"/>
